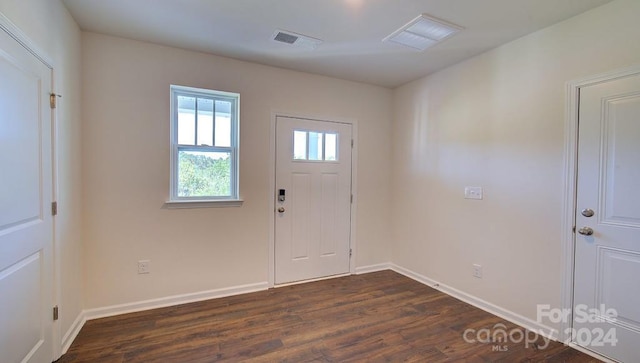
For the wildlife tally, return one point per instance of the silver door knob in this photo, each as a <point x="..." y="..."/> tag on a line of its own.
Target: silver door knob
<point x="586" y="231"/>
<point x="281" y="210"/>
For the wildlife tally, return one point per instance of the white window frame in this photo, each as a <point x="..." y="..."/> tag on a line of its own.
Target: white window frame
<point x="234" y="199"/>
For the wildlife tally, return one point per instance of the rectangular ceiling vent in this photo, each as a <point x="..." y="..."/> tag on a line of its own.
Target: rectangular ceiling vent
<point x="296" y="39"/>
<point x="423" y="32"/>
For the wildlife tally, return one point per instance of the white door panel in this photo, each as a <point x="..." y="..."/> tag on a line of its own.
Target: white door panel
<point x="607" y="265"/>
<point x="25" y="197"/>
<point x="313" y="229"/>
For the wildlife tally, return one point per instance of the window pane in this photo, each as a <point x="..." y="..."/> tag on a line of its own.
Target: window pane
<point x="186" y="120"/>
<point x="330" y="147"/>
<point x="315" y="145"/>
<point x="205" y="121"/>
<point x="223" y="123"/>
<point x="300" y="145"/>
<point x="204" y="174"/>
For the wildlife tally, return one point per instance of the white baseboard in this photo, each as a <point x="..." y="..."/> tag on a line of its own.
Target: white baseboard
<point x="515" y="318"/>
<point x="467" y="298"/>
<point x="373" y="268"/>
<point x="73" y="331"/>
<point x="591" y="353"/>
<point x="173" y="300"/>
<point x="89" y="314"/>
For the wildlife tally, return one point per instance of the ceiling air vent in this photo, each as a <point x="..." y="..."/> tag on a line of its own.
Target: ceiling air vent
<point x="295" y="39"/>
<point x="423" y="32"/>
<point x="285" y="38"/>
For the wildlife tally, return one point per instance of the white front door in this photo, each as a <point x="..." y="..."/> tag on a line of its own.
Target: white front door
<point x="607" y="251"/>
<point x="313" y="199"/>
<point x="25" y="206"/>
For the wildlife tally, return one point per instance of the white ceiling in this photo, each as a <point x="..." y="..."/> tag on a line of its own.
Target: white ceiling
<point x="352" y="30"/>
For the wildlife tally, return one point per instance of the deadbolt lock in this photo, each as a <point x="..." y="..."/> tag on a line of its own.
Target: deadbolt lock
<point x="587" y="212"/>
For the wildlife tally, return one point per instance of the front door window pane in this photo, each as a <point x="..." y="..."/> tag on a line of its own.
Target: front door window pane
<point x="315" y="145"/>
<point x="300" y="145"/>
<point x="330" y="149"/>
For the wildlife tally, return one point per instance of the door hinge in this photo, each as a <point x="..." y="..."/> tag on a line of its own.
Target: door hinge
<point x="352" y="143"/>
<point x="350" y="252"/>
<point x="52" y="100"/>
<point x="55" y="313"/>
<point x="54" y="208"/>
<point x="574" y="229"/>
<point x="351" y="198"/>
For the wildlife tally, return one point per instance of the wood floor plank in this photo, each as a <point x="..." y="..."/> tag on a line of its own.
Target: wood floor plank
<point x="376" y="317"/>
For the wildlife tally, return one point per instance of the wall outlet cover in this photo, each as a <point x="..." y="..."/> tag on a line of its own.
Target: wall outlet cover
<point x="477" y="271"/>
<point x="473" y="192"/>
<point x="144" y="266"/>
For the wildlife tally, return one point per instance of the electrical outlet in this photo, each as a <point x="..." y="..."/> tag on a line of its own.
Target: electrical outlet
<point x="477" y="271"/>
<point x="144" y="266"/>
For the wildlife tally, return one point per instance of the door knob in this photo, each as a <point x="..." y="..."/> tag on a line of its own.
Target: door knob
<point x="281" y="210"/>
<point x="586" y="231"/>
<point x="587" y="212"/>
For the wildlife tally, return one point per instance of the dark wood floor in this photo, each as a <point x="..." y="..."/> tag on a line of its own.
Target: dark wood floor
<point x="376" y="317"/>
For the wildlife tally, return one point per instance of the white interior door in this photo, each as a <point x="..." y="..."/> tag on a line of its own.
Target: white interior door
<point x="607" y="259"/>
<point x="313" y="199"/>
<point x="25" y="206"/>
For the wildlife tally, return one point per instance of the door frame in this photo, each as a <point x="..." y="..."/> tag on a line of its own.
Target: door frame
<point x="570" y="180"/>
<point x="16" y="33"/>
<point x="272" y="185"/>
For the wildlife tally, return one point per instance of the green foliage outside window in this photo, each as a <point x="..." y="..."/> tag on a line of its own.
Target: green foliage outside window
<point x="201" y="175"/>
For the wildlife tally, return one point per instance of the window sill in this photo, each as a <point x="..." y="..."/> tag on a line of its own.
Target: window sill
<point x="190" y="204"/>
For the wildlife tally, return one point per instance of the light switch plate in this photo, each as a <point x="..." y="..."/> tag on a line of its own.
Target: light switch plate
<point x="473" y="192"/>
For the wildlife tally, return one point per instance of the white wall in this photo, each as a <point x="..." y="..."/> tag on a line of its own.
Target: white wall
<point x="48" y="24"/>
<point x="126" y="169"/>
<point x="497" y="121"/>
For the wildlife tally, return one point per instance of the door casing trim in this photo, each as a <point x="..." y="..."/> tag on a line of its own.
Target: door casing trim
<point x="272" y="184"/>
<point x="570" y="180"/>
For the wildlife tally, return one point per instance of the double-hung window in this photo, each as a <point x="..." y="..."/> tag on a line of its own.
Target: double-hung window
<point x="204" y="145"/>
